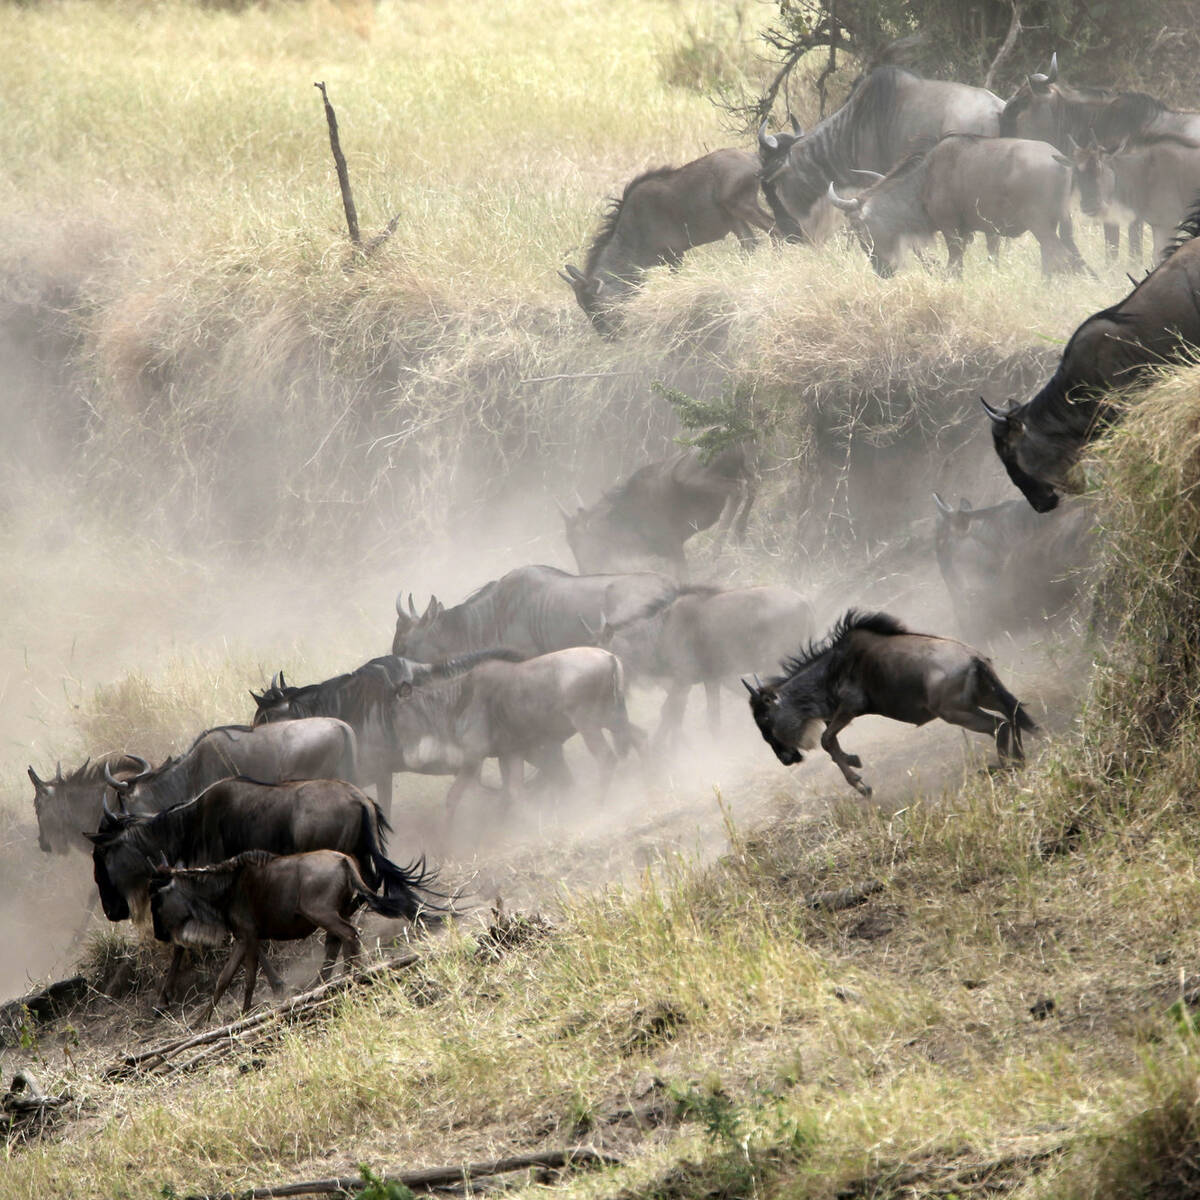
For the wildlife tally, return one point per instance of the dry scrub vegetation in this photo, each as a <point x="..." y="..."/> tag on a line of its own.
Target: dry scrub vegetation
<point x="227" y="450"/>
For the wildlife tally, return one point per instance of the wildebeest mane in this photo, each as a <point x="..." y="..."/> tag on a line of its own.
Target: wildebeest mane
<point x="215" y="729"/>
<point x="873" y="622"/>
<point x="354" y="696"/>
<point x="92" y="770"/>
<point x="612" y="216"/>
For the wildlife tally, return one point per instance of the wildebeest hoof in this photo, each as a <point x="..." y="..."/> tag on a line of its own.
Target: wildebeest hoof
<point x="863" y="789"/>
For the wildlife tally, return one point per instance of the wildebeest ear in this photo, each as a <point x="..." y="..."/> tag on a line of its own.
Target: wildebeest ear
<point x="257" y="697"/>
<point x="97" y="839"/>
<point x="749" y="687"/>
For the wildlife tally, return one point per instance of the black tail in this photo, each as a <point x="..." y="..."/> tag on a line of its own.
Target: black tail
<point x="385" y="906"/>
<point x="407" y="889"/>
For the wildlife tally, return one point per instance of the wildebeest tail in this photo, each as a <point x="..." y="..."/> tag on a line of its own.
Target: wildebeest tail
<point x="624" y="734"/>
<point x="1014" y="710"/>
<point x="408" y="889"/>
<point x="348" y="767"/>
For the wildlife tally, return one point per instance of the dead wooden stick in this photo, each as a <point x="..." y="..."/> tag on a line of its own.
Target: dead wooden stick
<point x="343" y="173"/>
<point x="580" y="1156"/>
<point x="288" y="1008"/>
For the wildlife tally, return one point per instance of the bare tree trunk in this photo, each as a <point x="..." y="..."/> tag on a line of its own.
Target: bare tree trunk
<point x="1006" y="48"/>
<point x="339" y="161"/>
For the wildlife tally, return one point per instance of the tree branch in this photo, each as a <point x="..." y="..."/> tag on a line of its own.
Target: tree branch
<point x="343" y="173"/>
<point x="1006" y="48"/>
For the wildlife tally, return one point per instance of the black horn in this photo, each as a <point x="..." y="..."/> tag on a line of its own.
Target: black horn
<point x="121" y="785"/>
<point x="942" y="505"/>
<point x="768" y="141"/>
<point x="37" y="783"/>
<point x="838" y="202"/>
<point x="994" y="413"/>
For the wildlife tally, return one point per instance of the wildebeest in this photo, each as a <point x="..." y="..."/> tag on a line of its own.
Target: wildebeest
<point x="318" y="749"/>
<point x="365" y="700"/>
<point x="1052" y="111"/>
<point x="888" y="115"/>
<point x="530" y="610"/>
<point x="257" y="897"/>
<point x="870" y="664"/>
<point x="69" y="807"/>
<point x="1002" y="187"/>
<point x="1153" y="179"/>
<point x="1040" y="441"/>
<point x="709" y="636"/>
<point x="1007" y="568"/>
<point x="513" y="711"/>
<point x="660" y="216"/>
<point x="649" y="516"/>
<point x="239" y="814"/>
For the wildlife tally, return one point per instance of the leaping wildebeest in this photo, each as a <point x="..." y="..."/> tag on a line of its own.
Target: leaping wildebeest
<point x="1040" y="442"/>
<point x="888" y="115"/>
<point x="870" y="664"/>
<point x="257" y="896"/>
<point x="513" y="712"/>
<point x="530" y="610"/>
<point x="966" y="184"/>
<point x="649" y="516"/>
<point x="709" y="636"/>
<point x="318" y="749"/>
<point x="69" y="807"/>
<point x="661" y="215"/>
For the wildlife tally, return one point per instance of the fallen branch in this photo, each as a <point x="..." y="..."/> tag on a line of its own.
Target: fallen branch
<point x="940" y="1178"/>
<point x="576" y="1156"/>
<point x="1006" y="48"/>
<point x="231" y="1036"/>
<point x="343" y="172"/>
<point x="843" y="898"/>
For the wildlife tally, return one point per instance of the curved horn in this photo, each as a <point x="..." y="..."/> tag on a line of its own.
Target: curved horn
<point x="399" y="604"/>
<point x="58" y="771"/>
<point x="1072" y="145"/>
<point x="430" y="608"/>
<point x="942" y="505"/>
<point x="797" y="128"/>
<point x="274" y="682"/>
<point x="838" y="202"/>
<point x="121" y="785"/>
<point x="1052" y="74"/>
<point x="994" y="413"/>
<point x="412" y="608"/>
<point x="768" y="141"/>
<point x="37" y="783"/>
<point x="875" y="175"/>
<point x="576" y="274"/>
<point x="749" y="686"/>
<point x="282" y="681"/>
<point x="108" y="812"/>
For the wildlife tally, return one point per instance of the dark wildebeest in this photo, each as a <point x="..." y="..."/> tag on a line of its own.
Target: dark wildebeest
<point x="649" y="516"/>
<point x="318" y="749"/>
<point x="889" y="114"/>
<point x="1007" y="568"/>
<point x="660" y="216"/>
<point x="234" y="815"/>
<point x="69" y="807"/>
<point x="1001" y="187"/>
<point x="709" y="636"/>
<point x="512" y="711"/>
<point x="256" y="897"/>
<point x="1040" y="442"/>
<point x="1050" y="111"/>
<point x="871" y="665"/>
<point x="530" y="610"/>
<point x="365" y="699"/>
<point x="1152" y="179"/>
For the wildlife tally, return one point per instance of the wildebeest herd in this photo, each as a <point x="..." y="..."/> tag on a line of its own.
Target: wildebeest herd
<point x="261" y="831"/>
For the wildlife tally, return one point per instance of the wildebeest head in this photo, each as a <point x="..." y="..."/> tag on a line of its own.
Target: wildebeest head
<point x="595" y="294"/>
<point x="413" y="630"/>
<point x="883" y="245"/>
<point x="129" y="791"/>
<point x="789" y="729"/>
<point x="274" y="703"/>
<point x="1023" y="456"/>
<point x="773" y="147"/>
<point x="120" y="868"/>
<point x="1036" y="110"/>
<point x="184" y="907"/>
<point x="54" y="834"/>
<point x="1095" y="176"/>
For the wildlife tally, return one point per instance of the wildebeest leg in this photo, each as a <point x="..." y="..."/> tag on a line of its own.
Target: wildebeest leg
<point x="747" y="238"/>
<point x="845" y="762"/>
<point x="465" y="777"/>
<point x="601" y="751"/>
<point x="956" y="246"/>
<point x="251" y="966"/>
<point x="1112" y="241"/>
<point x="227" y="973"/>
<point x="712" y="694"/>
<point x="512" y="776"/>
<point x="168" y="984"/>
<point x="671" y="716"/>
<point x="333" y="944"/>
